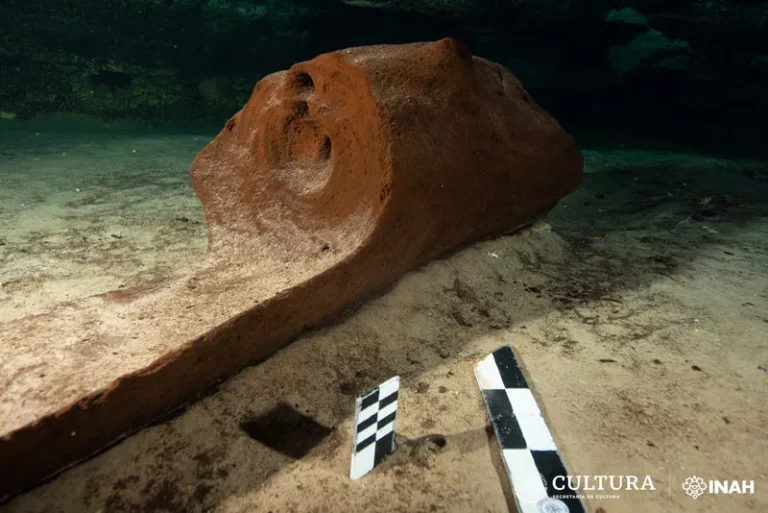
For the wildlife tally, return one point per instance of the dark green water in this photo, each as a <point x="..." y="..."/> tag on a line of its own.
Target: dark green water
<point x="690" y="71"/>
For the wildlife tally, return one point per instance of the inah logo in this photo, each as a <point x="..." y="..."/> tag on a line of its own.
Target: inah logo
<point x="694" y="486"/>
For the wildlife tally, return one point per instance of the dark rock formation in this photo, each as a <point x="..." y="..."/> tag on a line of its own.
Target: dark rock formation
<point x="449" y="8"/>
<point x="671" y="69"/>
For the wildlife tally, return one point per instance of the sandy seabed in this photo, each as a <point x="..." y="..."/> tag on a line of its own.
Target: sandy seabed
<point x="640" y="313"/>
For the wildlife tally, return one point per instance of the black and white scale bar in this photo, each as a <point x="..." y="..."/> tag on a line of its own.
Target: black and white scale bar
<point x="374" y="427"/>
<point x="528" y="450"/>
